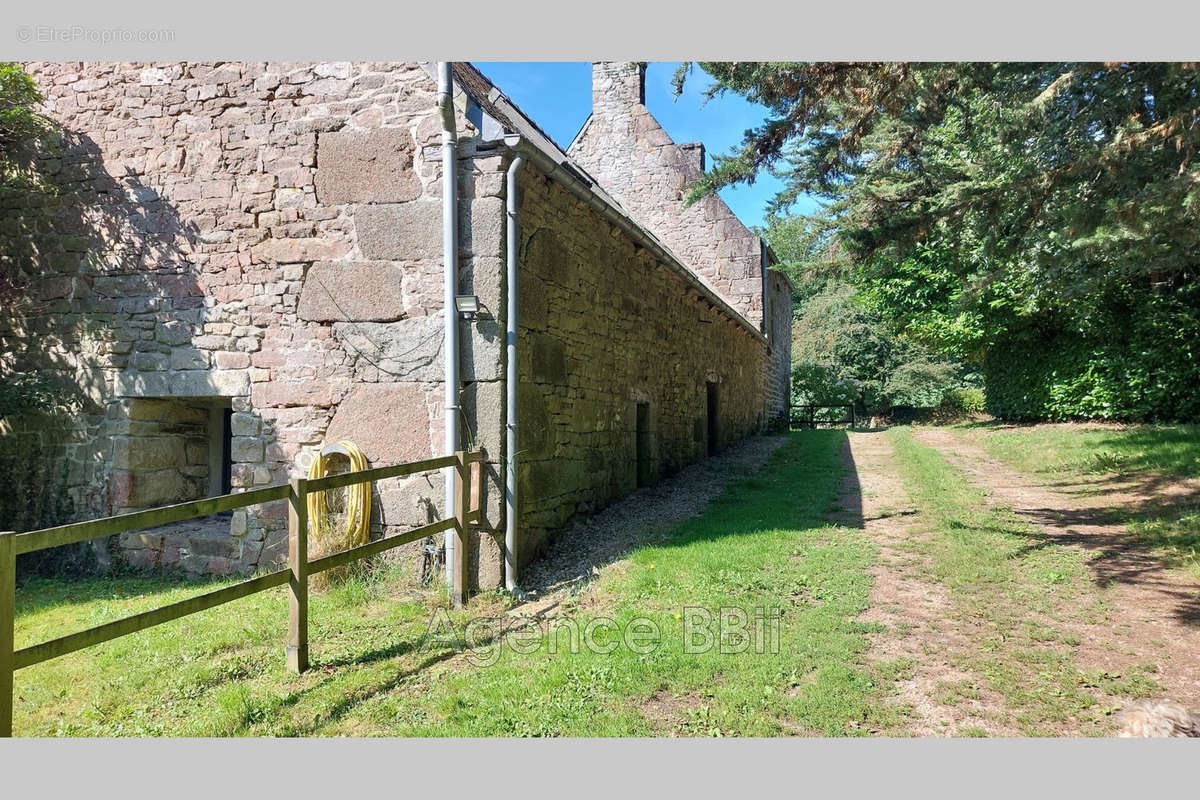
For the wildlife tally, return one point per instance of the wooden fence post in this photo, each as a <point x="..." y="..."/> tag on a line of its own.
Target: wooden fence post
<point x="297" y="644"/>
<point x="8" y="588"/>
<point x="462" y="487"/>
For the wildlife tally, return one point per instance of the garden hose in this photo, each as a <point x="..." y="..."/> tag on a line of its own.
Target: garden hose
<point x="358" y="505"/>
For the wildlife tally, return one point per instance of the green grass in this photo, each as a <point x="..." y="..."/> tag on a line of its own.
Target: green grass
<point x="1168" y="450"/>
<point x="1170" y="529"/>
<point x="763" y="543"/>
<point x="1022" y="589"/>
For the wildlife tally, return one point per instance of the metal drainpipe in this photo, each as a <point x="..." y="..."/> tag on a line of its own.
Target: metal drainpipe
<point x="510" y="410"/>
<point x="450" y="288"/>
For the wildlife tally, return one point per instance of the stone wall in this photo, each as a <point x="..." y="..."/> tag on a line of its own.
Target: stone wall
<point x="779" y="349"/>
<point x="261" y="234"/>
<point x="628" y="152"/>
<point x="604" y="327"/>
<point x="267" y="237"/>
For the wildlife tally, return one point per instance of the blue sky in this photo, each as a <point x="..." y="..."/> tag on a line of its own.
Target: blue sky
<point x="558" y="95"/>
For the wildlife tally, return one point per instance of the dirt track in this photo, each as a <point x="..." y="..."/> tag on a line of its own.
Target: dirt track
<point x="922" y="627"/>
<point x="1153" y="613"/>
<point x="1156" y="610"/>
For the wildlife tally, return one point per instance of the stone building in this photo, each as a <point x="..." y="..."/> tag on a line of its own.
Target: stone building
<point x="238" y="262"/>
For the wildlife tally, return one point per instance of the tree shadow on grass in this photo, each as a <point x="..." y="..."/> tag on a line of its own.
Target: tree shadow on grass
<point x="351" y="700"/>
<point x="849" y="509"/>
<point x="1140" y="544"/>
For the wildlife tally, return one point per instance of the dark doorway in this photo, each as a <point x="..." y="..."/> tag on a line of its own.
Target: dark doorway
<point x="226" y="450"/>
<point x="714" y="425"/>
<point x="643" y="445"/>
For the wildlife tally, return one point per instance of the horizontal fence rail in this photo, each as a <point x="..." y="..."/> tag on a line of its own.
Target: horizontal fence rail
<point x="467" y="509"/>
<point x="807" y="415"/>
<point x="92" y="529"/>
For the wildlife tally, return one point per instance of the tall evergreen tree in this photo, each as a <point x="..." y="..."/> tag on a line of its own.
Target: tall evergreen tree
<point x="1003" y="210"/>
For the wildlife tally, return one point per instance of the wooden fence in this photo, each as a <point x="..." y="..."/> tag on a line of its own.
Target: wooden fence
<point x="468" y="482"/>
<point x="806" y="416"/>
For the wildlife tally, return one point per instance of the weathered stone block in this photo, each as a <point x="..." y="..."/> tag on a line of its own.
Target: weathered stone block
<point x="485" y="560"/>
<point x="243" y="423"/>
<point x="141" y="539"/>
<point x="485" y="236"/>
<point x="483" y="276"/>
<point x="210" y="383"/>
<point x="133" y="383"/>
<point x="246" y="449"/>
<point x="412" y="501"/>
<point x="180" y="412"/>
<point x="159" y="488"/>
<point x="388" y="421"/>
<point x="482" y="351"/>
<point x="197" y="454"/>
<point x="150" y="362"/>
<point x="230" y="360"/>
<point x="188" y="359"/>
<point x="291" y="251"/>
<point x="173" y="332"/>
<point x="214" y="544"/>
<point x="400" y="231"/>
<point x="366" y="167"/>
<point x="352" y="291"/>
<point x="281" y="394"/>
<point x="408" y="349"/>
<point x="483" y="410"/>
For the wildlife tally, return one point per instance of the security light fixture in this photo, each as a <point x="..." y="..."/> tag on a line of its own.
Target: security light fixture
<point x="467" y="305"/>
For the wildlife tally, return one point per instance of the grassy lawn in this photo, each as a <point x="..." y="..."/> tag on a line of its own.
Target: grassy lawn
<point x="1151" y="452"/>
<point x="379" y="670"/>
<point x="1167" y="450"/>
<point x="1021" y="593"/>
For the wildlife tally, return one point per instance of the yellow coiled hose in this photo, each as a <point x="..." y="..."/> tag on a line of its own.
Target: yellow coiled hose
<point x="358" y="507"/>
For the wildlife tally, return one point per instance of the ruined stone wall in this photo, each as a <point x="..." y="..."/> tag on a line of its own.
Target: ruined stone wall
<point x="264" y="234"/>
<point x="605" y="326"/>
<point x="635" y="160"/>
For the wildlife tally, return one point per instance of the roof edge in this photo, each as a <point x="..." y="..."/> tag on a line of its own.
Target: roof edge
<point x="528" y="139"/>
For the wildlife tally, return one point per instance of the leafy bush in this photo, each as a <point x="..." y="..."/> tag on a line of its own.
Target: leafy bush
<point x="821" y="385"/>
<point x="964" y="401"/>
<point x="921" y="383"/>
<point x="846" y="352"/>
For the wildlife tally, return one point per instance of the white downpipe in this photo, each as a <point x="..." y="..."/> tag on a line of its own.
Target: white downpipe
<point x="450" y="288"/>
<point x="510" y="401"/>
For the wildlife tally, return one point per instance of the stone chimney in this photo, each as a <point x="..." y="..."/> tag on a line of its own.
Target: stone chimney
<point x="618" y="84"/>
<point x="693" y="153"/>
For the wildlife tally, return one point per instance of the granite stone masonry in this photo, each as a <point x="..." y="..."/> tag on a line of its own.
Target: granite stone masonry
<point x="605" y="328"/>
<point x="242" y="261"/>
<point x="624" y="147"/>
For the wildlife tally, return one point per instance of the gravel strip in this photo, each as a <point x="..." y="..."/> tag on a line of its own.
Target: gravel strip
<point x="646" y="516"/>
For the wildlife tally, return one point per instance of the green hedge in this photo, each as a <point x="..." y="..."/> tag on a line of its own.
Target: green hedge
<point x="964" y="401"/>
<point x="1136" y="358"/>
